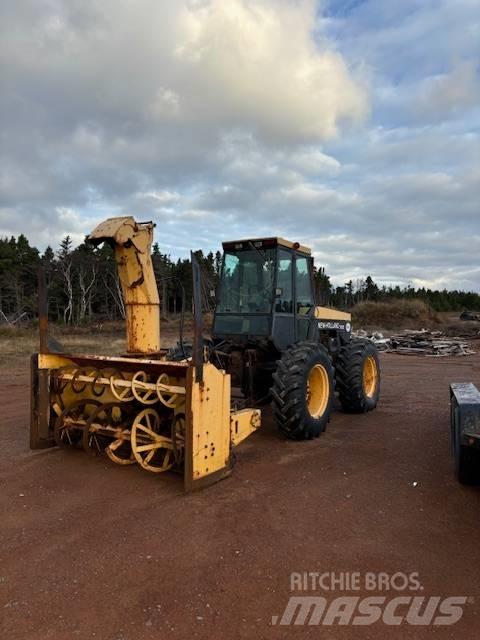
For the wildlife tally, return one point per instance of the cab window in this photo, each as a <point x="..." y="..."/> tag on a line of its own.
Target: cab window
<point x="284" y="297"/>
<point x="303" y="286"/>
<point x="246" y="284"/>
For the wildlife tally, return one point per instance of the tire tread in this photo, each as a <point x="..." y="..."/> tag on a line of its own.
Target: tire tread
<point x="287" y="390"/>
<point x="349" y="376"/>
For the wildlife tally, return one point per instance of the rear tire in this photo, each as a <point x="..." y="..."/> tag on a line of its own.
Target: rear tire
<point x="302" y="391"/>
<point x="357" y="372"/>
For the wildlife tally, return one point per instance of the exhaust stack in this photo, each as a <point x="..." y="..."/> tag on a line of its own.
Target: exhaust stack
<point x="132" y="242"/>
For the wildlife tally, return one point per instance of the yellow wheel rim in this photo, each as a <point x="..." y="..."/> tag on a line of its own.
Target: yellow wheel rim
<point x="318" y="391"/>
<point x="370" y="376"/>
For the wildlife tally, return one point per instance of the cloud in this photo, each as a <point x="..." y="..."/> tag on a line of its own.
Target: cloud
<point x="448" y="93"/>
<point x="47" y="229"/>
<point x="351" y="127"/>
<point x="314" y="162"/>
<point x="254" y="65"/>
<point x="104" y="99"/>
<point x="162" y="197"/>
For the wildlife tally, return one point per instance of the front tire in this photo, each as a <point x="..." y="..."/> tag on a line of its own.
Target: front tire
<point x="357" y="372"/>
<point x="302" y="391"/>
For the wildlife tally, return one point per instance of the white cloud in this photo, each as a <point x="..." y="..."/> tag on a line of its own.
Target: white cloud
<point x="314" y="162"/>
<point x="163" y="197"/>
<point x="257" y="67"/>
<point x="233" y="118"/>
<point x="448" y="93"/>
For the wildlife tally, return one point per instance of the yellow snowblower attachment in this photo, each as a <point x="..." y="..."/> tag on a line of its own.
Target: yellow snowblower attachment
<point x="138" y="407"/>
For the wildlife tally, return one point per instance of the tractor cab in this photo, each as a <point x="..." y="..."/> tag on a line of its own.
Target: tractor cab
<point x="265" y="292"/>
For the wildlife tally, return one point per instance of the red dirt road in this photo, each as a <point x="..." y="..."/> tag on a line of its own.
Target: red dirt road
<point x="92" y="550"/>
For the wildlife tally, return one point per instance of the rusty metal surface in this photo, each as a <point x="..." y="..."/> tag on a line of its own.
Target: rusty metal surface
<point x="123" y="363"/>
<point x="114" y="230"/>
<point x="207" y="423"/>
<point x="41" y="436"/>
<point x="132" y="243"/>
<point x="243" y="423"/>
<point x="137" y="408"/>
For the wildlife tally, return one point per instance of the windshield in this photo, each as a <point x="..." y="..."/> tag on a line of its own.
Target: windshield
<point x="246" y="285"/>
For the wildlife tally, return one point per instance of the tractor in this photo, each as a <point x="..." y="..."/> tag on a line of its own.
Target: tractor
<point x="187" y="410"/>
<point x="278" y="345"/>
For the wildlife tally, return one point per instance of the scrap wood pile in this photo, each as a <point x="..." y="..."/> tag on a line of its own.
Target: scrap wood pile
<point x="423" y="342"/>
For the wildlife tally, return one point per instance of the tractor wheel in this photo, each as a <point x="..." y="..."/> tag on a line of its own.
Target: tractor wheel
<point x="302" y="391"/>
<point x="357" y="372"/>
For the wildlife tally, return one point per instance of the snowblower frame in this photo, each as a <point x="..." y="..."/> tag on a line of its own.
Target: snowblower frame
<point x="138" y="408"/>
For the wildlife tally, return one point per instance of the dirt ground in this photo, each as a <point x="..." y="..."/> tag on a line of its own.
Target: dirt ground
<point x="92" y="550"/>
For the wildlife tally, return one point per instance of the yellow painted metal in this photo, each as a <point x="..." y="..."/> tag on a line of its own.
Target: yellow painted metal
<point x="132" y="242"/>
<point x="117" y="229"/>
<point x="280" y="241"/>
<point x="205" y="428"/>
<point x="370" y="376"/>
<point x="207" y="446"/>
<point x="243" y="423"/>
<point x="128" y="388"/>
<point x="53" y="361"/>
<point x="328" y="313"/>
<point x="56" y="360"/>
<point x="318" y="391"/>
<point x="292" y="245"/>
<point x="152" y="450"/>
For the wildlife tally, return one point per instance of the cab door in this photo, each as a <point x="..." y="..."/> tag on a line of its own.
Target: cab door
<point x="283" y="329"/>
<point x="304" y="301"/>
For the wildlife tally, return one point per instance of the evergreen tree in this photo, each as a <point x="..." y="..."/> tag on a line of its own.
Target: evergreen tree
<point x="83" y="283"/>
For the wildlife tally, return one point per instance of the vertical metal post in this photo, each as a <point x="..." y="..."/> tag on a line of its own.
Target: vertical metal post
<point x="197" y="355"/>
<point x="42" y="310"/>
<point x="312" y="282"/>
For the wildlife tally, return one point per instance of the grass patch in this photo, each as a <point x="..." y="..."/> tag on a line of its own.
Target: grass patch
<point x="394" y="314"/>
<point x="108" y="338"/>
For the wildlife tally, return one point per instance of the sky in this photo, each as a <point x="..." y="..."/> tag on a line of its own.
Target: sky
<point x="351" y="126"/>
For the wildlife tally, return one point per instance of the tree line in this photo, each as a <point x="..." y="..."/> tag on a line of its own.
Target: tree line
<point x="83" y="286"/>
<point x="82" y="282"/>
<point x="353" y="292"/>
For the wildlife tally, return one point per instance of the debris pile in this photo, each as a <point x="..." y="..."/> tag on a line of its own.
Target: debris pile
<point x="376" y="337"/>
<point x="419" y="342"/>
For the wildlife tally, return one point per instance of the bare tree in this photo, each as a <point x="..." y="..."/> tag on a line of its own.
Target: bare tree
<point x="111" y="283"/>
<point x="87" y="276"/>
<point x="65" y="266"/>
<point x="66" y="269"/>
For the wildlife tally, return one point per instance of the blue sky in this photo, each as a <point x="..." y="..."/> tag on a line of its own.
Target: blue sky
<point x="350" y="126"/>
